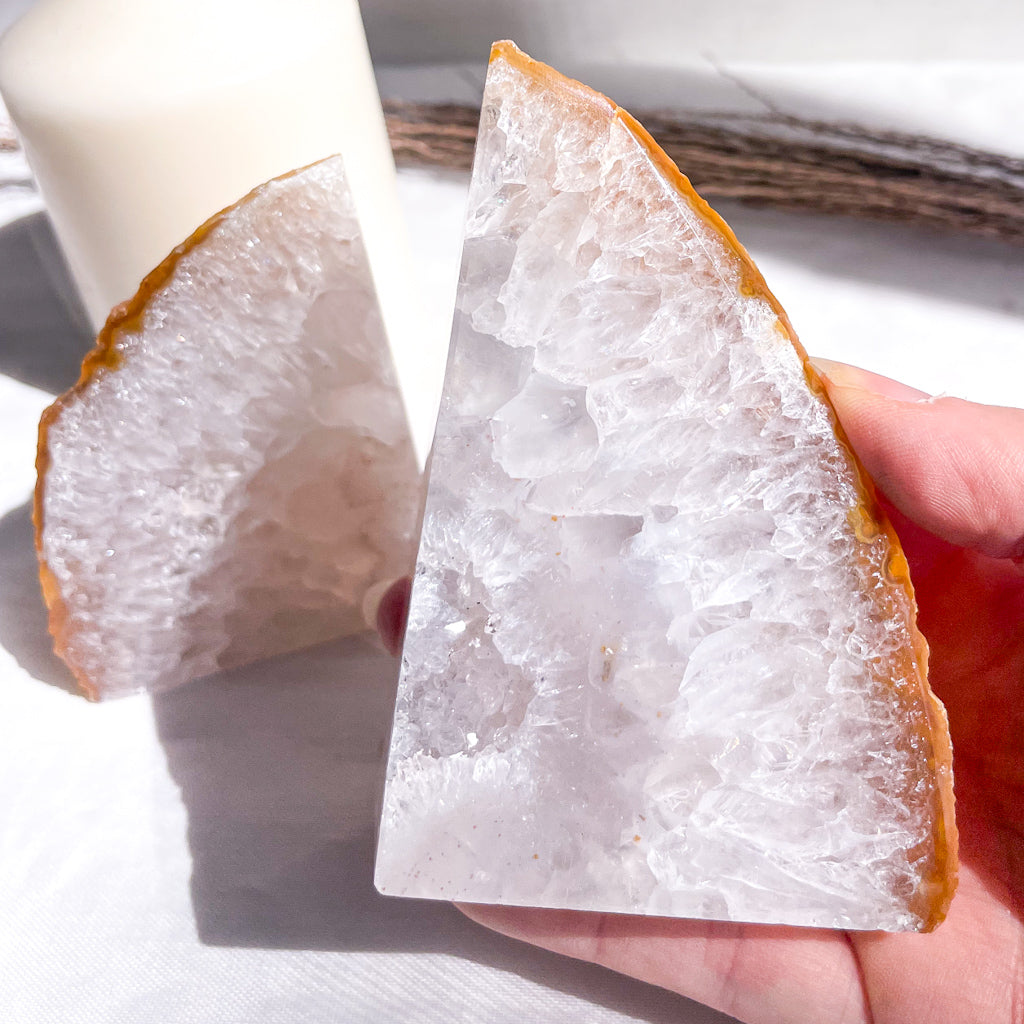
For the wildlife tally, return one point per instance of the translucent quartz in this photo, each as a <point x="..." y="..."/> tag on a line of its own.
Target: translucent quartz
<point x="233" y="488"/>
<point x="652" y="640"/>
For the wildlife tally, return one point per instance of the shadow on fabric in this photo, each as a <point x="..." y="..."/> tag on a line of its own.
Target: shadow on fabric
<point x="23" y="617"/>
<point x="280" y="766"/>
<point x="44" y="332"/>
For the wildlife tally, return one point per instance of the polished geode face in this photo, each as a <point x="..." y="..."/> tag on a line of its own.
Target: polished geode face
<point x="648" y="657"/>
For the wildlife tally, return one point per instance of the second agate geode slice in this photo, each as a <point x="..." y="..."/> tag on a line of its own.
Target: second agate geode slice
<point x="661" y="654"/>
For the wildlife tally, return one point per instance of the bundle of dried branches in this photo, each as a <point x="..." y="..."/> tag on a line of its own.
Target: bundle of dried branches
<point x="776" y="161"/>
<point x="788" y="163"/>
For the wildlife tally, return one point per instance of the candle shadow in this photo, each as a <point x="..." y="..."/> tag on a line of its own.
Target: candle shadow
<point x="280" y="766"/>
<point x="23" y="617"/>
<point x="44" y="331"/>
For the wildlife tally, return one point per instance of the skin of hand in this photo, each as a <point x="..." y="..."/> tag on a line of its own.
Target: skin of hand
<point x="951" y="477"/>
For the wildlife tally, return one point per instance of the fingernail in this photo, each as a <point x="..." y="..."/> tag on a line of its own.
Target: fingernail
<point x="843" y="375"/>
<point x="372" y="599"/>
<point x="830" y="370"/>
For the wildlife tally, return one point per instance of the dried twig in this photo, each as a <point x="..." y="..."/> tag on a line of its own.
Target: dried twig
<point x="775" y="161"/>
<point x="787" y="163"/>
<point x="8" y="140"/>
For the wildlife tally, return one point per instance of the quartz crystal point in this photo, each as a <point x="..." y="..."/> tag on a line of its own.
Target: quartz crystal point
<point x="234" y="470"/>
<point x="661" y="653"/>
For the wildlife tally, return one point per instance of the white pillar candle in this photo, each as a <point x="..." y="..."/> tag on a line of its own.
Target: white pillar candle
<point x="141" y="119"/>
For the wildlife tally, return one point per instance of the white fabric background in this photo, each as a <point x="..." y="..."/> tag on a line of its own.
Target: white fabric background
<point x="205" y="857"/>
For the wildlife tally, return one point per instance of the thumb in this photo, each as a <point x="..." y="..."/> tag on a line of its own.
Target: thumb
<point x="390" y="613"/>
<point x="954" y="467"/>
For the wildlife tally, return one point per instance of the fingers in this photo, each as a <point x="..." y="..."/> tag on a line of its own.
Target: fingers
<point x="843" y="375"/>
<point x="954" y="467"/>
<point x="392" y="612"/>
<point x="753" y="972"/>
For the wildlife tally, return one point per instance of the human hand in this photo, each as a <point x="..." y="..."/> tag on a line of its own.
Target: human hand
<point x="952" y="478"/>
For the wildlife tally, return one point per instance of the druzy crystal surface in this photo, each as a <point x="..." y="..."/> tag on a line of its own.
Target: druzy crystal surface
<point x="652" y="640"/>
<point x="232" y="488"/>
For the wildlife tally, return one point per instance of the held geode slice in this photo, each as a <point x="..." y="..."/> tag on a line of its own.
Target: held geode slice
<point x="662" y="654"/>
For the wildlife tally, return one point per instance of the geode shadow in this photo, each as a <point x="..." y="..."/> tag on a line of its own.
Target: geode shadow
<point x="23" y="616"/>
<point x="277" y="764"/>
<point x="44" y="332"/>
<point x="280" y="765"/>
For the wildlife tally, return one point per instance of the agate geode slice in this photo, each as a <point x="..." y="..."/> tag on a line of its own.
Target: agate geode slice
<point x="661" y="654"/>
<point x="234" y="469"/>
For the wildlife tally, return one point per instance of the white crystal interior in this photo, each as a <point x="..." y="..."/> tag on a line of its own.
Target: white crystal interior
<point x="647" y="662"/>
<point x="233" y="489"/>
